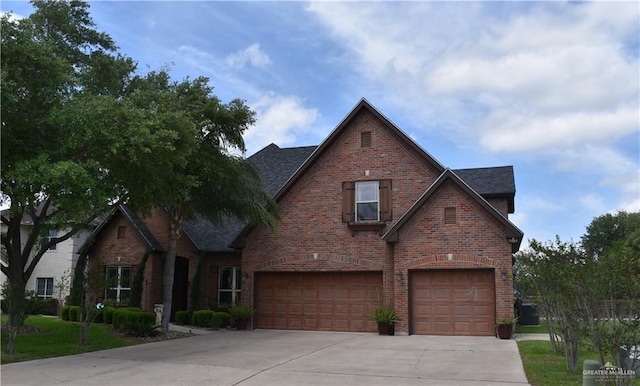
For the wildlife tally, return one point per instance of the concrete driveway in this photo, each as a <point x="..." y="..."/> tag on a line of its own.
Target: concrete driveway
<point x="274" y="357"/>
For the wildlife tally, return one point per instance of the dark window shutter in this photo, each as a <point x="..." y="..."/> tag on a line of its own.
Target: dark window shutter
<point x="348" y="201"/>
<point x="386" y="213"/>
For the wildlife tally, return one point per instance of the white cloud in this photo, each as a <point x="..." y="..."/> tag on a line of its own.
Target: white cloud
<point x="592" y="202"/>
<point x="279" y="120"/>
<point x="516" y="76"/>
<point x="252" y="54"/>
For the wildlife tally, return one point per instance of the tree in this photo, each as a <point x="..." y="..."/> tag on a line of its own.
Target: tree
<point x="553" y="271"/>
<point x="607" y="231"/>
<point x="71" y="144"/>
<point x="211" y="180"/>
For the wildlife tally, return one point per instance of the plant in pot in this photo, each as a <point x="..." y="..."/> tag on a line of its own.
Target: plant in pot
<point x="505" y="326"/>
<point x="240" y="315"/>
<point x="386" y="318"/>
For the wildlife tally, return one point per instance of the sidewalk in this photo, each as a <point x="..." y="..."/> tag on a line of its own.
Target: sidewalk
<point x="189" y="329"/>
<point x="531" y="336"/>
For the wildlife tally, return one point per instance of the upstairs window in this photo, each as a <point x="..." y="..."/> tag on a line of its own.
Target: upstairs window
<point x="366" y="201"/>
<point x="53" y="233"/>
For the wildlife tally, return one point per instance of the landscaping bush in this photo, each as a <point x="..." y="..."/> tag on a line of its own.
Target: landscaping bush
<point x="97" y="315"/>
<point x="107" y="314"/>
<point x="39" y="306"/>
<point x="64" y="312"/>
<point x="120" y="314"/>
<point x="221" y="320"/>
<point x="182" y="317"/>
<point x="202" y="318"/>
<point x="74" y="313"/>
<point x="135" y="322"/>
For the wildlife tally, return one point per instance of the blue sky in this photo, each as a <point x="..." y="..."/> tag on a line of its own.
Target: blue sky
<point x="551" y="88"/>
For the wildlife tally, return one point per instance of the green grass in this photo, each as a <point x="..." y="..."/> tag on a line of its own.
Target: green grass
<point x="543" y="367"/>
<point x="540" y="329"/>
<point x="57" y="338"/>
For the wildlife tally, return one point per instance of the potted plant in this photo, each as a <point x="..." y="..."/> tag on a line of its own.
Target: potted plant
<point x="240" y="315"/>
<point x="386" y="318"/>
<point x="505" y="326"/>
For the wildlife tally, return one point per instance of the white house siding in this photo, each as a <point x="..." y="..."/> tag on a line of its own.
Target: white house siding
<point x="56" y="263"/>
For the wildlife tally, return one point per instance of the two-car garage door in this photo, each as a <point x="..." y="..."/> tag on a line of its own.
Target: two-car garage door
<point x="453" y="302"/>
<point x="325" y="301"/>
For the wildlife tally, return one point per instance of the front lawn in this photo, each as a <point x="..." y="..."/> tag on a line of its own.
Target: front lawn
<point x="543" y="367"/>
<point x="539" y="329"/>
<point x="52" y="337"/>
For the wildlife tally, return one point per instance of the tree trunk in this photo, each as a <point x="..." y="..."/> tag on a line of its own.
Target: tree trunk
<point x="169" y="271"/>
<point x="17" y="307"/>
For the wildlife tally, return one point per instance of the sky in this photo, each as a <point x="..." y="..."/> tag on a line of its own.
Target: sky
<point x="551" y="88"/>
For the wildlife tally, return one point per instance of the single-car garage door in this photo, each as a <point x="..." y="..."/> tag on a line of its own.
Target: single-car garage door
<point x="453" y="302"/>
<point x="325" y="301"/>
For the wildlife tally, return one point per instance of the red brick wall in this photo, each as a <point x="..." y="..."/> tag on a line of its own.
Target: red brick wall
<point x="311" y="210"/>
<point x="311" y="223"/>
<point x="477" y="240"/>
<point x="109" y="250"/>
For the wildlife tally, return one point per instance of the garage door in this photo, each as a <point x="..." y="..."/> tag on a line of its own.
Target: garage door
<point x="318" y="301"/>
<point x="453" y="302"/>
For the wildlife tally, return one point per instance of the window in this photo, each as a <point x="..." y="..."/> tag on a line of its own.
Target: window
<point x="122" y="232"/>
<point x="118" y="284"/>
<point x="450" y="215"/>
<point x="53" y="233"/>
<point x="366" y="201"/>
<point x="365" y="139"/>
<point x="44" y="287"/>
<point x="229" y="285"/>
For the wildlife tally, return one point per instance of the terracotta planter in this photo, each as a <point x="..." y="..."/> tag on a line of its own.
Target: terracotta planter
<point x="242" y="324"/>
<point x="386" y="328"/>
<point x="505" y="331"/>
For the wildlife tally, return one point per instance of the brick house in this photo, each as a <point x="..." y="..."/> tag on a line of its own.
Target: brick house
<point x="366" y="218"/>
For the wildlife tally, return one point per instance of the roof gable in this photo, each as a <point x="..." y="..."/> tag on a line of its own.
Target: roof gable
<point x="514" y="234"/>
<point x="363" y="104"/>
<point x="145" y="234"/>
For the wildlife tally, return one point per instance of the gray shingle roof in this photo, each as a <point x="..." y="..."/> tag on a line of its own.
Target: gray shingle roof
<point x="489" y="181"/>
<point x="275" y="165"/>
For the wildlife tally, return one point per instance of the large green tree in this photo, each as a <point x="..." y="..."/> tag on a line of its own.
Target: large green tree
<point x="609" y="231"/>
<point x="71" y="144"/>
<point x="214" y="180"/>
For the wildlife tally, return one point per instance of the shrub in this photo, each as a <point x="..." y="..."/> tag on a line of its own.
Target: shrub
<point x="120" y="315"/>
<point x="139" y="323"/>
<point x="107" y="314"/>
<point x="39" y="306"/>
<point x="203" y="318"/>
<point x="221" y="320"/>
<point x="64" y="312"/>
<point x="182" y="317"/>
<point x="239" y="312"/>
<point x="74" y="313"/>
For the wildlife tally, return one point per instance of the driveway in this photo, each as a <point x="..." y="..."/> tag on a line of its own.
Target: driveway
<point x="275" y="357"/>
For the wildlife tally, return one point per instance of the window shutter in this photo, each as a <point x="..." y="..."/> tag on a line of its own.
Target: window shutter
<point x="348" y="201"/>
<point x="386" y="213"/>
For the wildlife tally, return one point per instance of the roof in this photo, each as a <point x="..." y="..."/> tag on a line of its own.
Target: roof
<point x="275" y="166"/>
<point x="512" y="231"/>
<point x="491" y="182"/>
<point x="362" y="105"/>
<point x="147" y="237"/>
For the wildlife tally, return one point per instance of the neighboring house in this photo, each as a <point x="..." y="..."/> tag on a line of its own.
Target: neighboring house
<point x="57" y="265"/>
<point x="366" y="218"/>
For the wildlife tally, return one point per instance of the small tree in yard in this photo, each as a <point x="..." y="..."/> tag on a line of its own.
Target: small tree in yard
<point x="61" y="289"/>
<point x="553" y="273"/>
